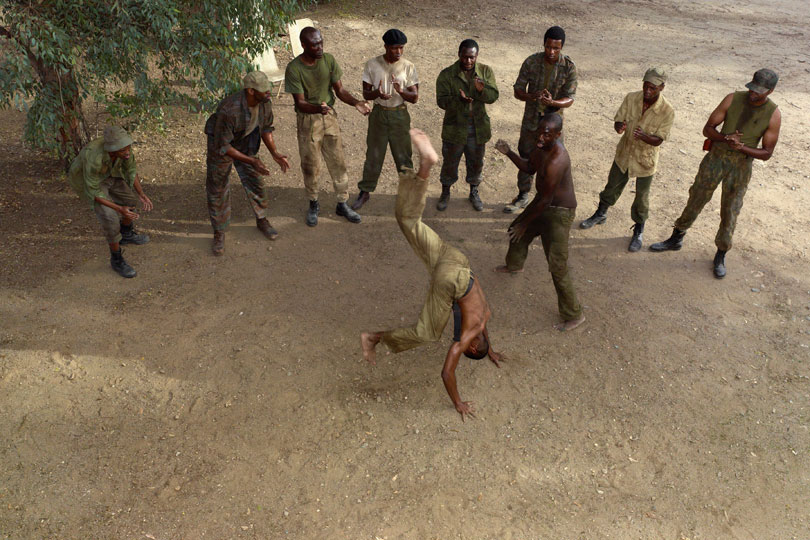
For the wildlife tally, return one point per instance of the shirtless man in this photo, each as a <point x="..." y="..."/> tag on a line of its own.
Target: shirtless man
<point x="453" y="287"/>
<point x="548" y="216"/>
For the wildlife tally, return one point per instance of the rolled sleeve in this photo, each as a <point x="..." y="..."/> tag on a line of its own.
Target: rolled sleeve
<point x="292" y="80"/>
<point x="267" y="120"/>
<point x="569" y="89"/>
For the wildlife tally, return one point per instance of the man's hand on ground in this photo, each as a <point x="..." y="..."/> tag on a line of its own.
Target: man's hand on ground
<point x="496" y="357"/>
<point x="465" y="407"/>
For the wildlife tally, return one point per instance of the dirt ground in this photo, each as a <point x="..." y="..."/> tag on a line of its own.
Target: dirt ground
<point x="227" y="397"/>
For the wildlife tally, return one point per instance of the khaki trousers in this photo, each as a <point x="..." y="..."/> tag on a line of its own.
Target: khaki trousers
<point x="449" y="268"/>
<point x="119" y="192"/>
<point x="319" y="136"/>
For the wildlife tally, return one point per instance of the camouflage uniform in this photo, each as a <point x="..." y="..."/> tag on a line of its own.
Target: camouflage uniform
<point x="535" y="75"/>
<point x="227" y="127"/>
<point x="729" y="167"/>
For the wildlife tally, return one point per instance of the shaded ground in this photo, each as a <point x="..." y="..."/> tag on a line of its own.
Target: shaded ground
<point x="227" y="398"/>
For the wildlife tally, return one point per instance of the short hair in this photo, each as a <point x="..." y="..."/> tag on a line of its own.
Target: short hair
<point x="307" y="32"/>
<point x="468" y="44"/>
<point x="481" y="350"/>
<point x="555" y="33"/>
<point x="553" y="120"/>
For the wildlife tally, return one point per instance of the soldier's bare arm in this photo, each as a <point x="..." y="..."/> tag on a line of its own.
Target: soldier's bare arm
<point x="715" y="119"/>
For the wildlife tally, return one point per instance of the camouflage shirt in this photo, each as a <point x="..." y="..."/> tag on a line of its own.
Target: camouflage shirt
<point x="230" y="121"/>
<point x="562" y="82"/>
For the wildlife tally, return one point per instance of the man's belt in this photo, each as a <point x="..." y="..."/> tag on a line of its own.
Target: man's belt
<point x="397" y="108"/>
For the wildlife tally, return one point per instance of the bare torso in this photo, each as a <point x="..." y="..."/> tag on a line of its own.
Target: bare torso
<point x="557" y="178"/>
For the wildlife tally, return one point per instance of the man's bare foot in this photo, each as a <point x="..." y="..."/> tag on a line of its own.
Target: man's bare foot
<point x="368" y="342"/>
<point x="427" y="155"/>
<point x="503" y="269"/>
<point x="567" y="326"/>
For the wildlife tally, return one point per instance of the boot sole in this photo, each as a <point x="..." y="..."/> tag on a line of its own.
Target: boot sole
<point x="659" y="250"/>
<point x="585" y="225"/>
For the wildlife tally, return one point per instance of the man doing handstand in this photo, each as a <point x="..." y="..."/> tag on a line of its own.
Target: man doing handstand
<point x="453" y="287"/>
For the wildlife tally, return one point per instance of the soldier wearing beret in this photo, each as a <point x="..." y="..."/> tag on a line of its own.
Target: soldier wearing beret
<point x="644" y="121"/>
<point x="748" y="117"/>
<point x="389" y="80"/>
<point x="235" y="132"/>
<point x="104" y="175"/>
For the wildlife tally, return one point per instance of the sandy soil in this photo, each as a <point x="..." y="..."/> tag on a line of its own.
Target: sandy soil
<point x="227" y="398"/>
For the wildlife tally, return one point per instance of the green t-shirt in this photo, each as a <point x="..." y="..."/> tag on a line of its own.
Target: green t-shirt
<point x="315" y="81"/>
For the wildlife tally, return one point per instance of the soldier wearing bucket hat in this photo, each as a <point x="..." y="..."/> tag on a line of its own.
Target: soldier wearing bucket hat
<point x="747" y="118"/>
<point x="235" y="132"/>
<point x="644" y="121"/>
<point x="104" y="175"/>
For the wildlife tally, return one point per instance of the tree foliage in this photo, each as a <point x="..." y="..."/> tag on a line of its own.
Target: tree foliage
<point x="135" y="57"/>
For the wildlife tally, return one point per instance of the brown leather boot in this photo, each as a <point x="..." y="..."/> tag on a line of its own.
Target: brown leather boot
<point x="267" y="230"/>
<point x="218" y="247"/>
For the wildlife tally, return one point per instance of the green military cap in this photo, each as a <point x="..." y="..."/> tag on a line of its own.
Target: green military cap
<point x="258" y="81"/>
<point x="764" y="80"/>
<point x="656" y="76"/>
<point x="116" y="138"/>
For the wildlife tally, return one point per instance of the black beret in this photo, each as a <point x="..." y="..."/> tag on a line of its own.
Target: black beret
<point x="394" y="37"/>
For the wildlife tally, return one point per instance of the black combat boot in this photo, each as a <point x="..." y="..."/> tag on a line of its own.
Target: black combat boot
<point x="475" y="199"/>
<point x="598" y="217"/>
<point x="635" y="242"/>
<point x="362" y="198"/>
<point x="120" y="265"/>
<point x="343" y="209"/>
<point x="673" y="243"/>
<point x="129" y="236"/>
<point x="441" y="206"/>
<point x="312" y="213"/>
<point x="720" y="264"/>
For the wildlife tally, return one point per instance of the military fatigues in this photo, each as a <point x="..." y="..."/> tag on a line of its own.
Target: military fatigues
<point x="466" y="128"/>
<point x="552" y="226"/>
<point x="634" y="157"/>
<point x="389" y="121"/>
<point x="228" y="126"/>
<point x="534" y="76"/>
<point x="449" y="268"/>
<point x="729" y="167"/>
<point x="318" y="134"/>
<point x="94" y="174"/>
